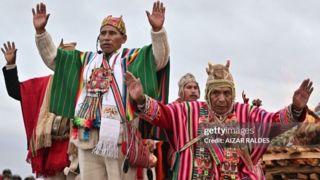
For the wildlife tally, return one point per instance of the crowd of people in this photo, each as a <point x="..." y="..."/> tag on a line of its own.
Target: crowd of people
<point x="7" y="175"/>
<point x="105" y="114"/>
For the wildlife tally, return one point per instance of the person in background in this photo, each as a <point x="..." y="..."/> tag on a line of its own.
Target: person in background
<point x="29" y="178"/>
<point x="48" y="157"/>
<point x="188" y="88"/>
<point x="16" y="177"/>
<point x="6" y="174"/>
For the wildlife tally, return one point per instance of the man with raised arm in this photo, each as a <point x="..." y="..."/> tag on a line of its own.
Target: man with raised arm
<point x="219" y="138"/>
<point x="89" y="87"/>
<point x="47" y="135"/>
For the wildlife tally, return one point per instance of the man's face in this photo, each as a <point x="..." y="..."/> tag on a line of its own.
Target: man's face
<point x="221" y="100"/>
<point x="111" y="39"/>
<point x="191" y="91"/>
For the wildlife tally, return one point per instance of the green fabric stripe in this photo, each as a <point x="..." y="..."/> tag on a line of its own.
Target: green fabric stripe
<point x="190" y="128"/>
<point x="176" y="166"/>
<point x="214" y="155"/>
<point x="73" y="81"/>
<point x="63" y="66"/>
<point x="144" y="67"/>
<point x="54" y="84"/>
<point x="65" y="82"/>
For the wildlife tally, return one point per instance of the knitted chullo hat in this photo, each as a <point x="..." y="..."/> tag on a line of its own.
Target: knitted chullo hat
<point x="185" y="79"/>
<point x="218" y="77"/>
<point x="116" y="22"/>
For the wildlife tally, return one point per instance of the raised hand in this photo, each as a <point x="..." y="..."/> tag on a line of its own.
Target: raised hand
<point x="244" y="97"/>
<point x="301" y="95"/>
<point x="156" y="18"/>
<point x="9" y="52"/>
<point x="40" y="18"/>
<point x="135" y="88"/>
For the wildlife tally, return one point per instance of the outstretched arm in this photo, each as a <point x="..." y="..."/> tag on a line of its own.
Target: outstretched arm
<point x="289" y="116"/>
<point x="160" y="43"/>
<point x="10" y="70"/>
<point x="45" y="45"/>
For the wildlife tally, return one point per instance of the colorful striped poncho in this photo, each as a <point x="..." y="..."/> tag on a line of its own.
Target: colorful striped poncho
<point x="181" y="121"/>
<point x="67" y="82"/>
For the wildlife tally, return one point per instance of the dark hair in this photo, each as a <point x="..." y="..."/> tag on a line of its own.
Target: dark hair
<point x="16" y="177"/>
<point x="7" y="172"/>
<point x="29" y="178"/>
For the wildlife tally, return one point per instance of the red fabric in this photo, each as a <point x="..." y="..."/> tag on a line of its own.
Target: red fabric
<point x="37" y="162"/>
<point x="47" y="161"/>
<point x="139" y="174"/>
<point x="159" y="167"/>
<point x="32" y="92"/>
<point x="57" y="158"/>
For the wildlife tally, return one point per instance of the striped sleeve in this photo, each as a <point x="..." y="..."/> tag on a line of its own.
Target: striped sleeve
<point x="159" y="114"/>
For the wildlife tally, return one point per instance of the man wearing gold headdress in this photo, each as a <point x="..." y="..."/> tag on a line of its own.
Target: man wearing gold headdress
<point x="89" y="87"/>
<point x="220" y="138"/>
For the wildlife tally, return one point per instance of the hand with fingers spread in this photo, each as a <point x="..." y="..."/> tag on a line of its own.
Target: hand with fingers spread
<point x="40" y="18"/>
<point x="156" y="18"/>
<point x="9" y="51"/>
<point x="301" y="95"/>
<point x="244" y="97"/>
<point x="135" y="88"/>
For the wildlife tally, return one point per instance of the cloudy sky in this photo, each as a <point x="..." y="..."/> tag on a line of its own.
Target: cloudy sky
<point x="273" y="45"/>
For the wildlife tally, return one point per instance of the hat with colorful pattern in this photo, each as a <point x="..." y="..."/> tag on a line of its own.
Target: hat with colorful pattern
<point x="116" y="22"/>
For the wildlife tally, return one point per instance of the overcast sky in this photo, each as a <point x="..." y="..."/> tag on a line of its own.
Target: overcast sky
<point x="273" y="45"/>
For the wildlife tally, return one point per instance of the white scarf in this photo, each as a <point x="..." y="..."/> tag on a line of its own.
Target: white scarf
<point x="110" y="122"/>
